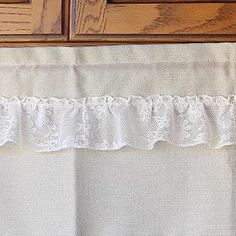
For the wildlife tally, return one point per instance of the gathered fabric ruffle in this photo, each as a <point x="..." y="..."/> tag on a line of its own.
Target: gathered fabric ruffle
<point x="110" y="123"/>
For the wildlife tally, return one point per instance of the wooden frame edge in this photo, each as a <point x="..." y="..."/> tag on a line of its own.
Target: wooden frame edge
<point x="64" y="36"/>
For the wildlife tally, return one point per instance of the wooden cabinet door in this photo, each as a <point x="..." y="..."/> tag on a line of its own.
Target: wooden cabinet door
<point x="31" y="20"/>
<point x="153" y="21"/>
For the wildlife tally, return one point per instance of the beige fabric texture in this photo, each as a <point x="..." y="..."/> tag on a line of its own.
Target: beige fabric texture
<point x="168" y="191"/>
<point x="180" y="69"/>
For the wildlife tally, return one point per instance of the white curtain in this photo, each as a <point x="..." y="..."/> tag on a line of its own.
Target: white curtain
<point x="168" y="190"/>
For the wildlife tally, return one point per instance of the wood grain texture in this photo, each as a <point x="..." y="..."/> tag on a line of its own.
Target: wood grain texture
<point x="88" y="40"/>
<point x="14" y="1"/>
<point x="36" y="17"/>
<point x="90" y="16"/>
<point x="137" y="39"/>
<point x="183" y="18"/>
<point x="95" y="20"/>
<point x="191" y="18"/>
<point x="165" y="1"/>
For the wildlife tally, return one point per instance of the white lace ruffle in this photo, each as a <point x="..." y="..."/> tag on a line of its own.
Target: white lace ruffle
<point x="109" y="123"/>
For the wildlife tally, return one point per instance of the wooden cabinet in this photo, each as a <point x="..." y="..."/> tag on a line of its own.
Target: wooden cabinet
<point x="150" y="21"/>
<point x="72" y="22"/>
<point x="31" y="20"/>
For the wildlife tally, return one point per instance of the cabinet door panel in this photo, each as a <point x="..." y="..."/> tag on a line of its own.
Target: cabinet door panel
<point x="30" y="19"/>
<point x="173" y="21"/>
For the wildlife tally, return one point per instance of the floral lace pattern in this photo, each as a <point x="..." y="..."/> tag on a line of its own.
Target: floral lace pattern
<point x="109" y="123"/>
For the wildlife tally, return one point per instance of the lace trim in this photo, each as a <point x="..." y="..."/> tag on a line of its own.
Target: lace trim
<point x="109" y="123"/>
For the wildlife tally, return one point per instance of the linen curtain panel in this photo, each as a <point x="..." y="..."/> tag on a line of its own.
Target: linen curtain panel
<point x="118" y="140"/>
